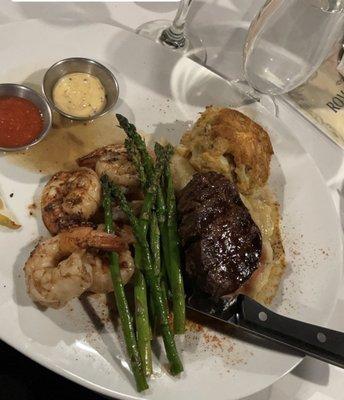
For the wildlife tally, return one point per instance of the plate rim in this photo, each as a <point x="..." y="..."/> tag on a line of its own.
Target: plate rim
<point x="102" y="389"/>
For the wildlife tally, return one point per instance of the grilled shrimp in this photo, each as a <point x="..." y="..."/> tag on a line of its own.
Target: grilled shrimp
<point x="113" y="161"/>
<point x="101" y="282"/>
<point x="60" y="269"/>
<point x="70" y="198"/>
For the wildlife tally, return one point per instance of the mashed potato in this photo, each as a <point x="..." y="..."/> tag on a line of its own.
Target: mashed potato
<point x="264" y="210"/>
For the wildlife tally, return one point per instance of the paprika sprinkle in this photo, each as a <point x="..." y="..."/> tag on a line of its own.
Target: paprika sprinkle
<point x="21" y="122"/>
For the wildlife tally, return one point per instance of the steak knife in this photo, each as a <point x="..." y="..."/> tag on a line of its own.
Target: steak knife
<point x="242" y="311"/>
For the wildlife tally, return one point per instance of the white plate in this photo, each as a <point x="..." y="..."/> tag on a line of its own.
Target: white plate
<point x="161" y="93"/>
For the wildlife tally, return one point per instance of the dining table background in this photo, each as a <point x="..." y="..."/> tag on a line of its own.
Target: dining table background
<point x="222" y="24"/>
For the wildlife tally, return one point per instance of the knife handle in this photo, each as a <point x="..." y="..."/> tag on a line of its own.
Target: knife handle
<point x="321" y="343"/>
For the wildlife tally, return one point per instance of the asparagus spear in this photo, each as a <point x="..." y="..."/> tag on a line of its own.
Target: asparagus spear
<point x="121" y="301"/>
<point x="135" y="158"/>
<point x="143" y="331"/>
<point x="146" y="159"/>
<point x="154" y="236"/>
<point x="176" y="366"/>
<point x="140" y="145"/>
<point x="161" y="208"/>
<point x="156" y="254"/>
<point x="171" y="244"/>
<point x="174" y="265"/>
<point x="155" y="243"/>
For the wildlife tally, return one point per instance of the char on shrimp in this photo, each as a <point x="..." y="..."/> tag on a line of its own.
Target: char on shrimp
<point x="113" y="161"/>
<point x="70" y="198"/>
<point x="65" y="266"/>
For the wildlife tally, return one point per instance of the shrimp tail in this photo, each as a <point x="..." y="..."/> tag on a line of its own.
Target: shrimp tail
<point x="107" y="152"/>
<point x="86" y="237"/>
<point x="107" y="241"/>
<point x="89" y="160"/>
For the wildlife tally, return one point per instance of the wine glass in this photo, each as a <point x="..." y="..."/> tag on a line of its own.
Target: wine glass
<point x="175" y="34"/>
<point x="288" y="41"/>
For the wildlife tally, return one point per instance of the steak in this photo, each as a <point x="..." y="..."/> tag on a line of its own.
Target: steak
<point x="222" y="245"/>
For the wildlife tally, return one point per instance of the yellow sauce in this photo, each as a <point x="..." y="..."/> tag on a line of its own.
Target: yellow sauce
<point x="79" y="95"/>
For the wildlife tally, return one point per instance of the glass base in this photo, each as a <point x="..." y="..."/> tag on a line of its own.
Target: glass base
<point x="193" y="47"/>
<point x="267" y="101"/>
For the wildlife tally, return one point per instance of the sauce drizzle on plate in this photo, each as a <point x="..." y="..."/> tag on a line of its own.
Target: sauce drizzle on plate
<point x="67" y="141"/>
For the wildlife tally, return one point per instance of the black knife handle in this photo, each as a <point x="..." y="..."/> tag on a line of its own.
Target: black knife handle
<point x="325" y="344"/>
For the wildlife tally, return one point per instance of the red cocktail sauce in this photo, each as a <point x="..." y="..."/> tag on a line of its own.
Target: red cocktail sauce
<point x="21" y="121"/>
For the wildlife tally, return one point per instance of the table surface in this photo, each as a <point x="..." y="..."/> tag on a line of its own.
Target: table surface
<point x="222" y="24"/>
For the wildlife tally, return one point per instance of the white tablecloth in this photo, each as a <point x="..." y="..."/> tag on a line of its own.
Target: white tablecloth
<point x="223" y="24"/>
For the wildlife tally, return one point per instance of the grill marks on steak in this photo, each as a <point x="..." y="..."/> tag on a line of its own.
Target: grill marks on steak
<point x="221" y="242"/>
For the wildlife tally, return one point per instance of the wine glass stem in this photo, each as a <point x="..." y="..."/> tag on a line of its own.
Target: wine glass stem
<point x="175" y="34"/>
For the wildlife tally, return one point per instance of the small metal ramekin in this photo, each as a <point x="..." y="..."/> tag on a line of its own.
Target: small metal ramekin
<point x="85" y="65"/>
<point x="12" y="89"/>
